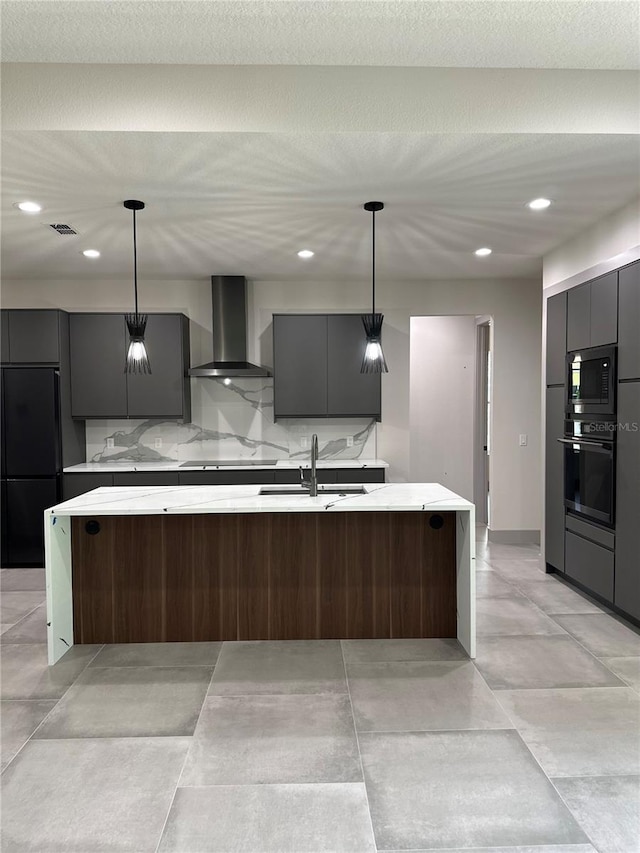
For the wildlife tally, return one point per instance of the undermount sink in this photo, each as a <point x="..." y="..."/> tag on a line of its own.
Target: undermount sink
<point x="298" y="491"/>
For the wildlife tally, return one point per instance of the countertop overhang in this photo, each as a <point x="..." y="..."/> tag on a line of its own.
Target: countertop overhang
<point x="156" y="500"/>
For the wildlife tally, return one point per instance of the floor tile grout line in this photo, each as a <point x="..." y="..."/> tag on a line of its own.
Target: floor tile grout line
<point x="355" y="731"/>
<point x="530" y="751"/>
<point x="51" y="710"/>
<point x="186" y="755"/>
<point x="22" y="618"/>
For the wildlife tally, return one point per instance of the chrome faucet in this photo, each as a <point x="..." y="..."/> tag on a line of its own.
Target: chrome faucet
<point x="312" y="482"/>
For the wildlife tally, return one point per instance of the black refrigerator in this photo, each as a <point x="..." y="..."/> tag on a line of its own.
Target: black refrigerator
<point x="31" y="460"/>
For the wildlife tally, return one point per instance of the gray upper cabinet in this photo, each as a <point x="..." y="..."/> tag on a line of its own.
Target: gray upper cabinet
<point x="33" y="336"/>
<point x="592" y="313"/>
<point x="100" y="388"/>
<point x="579" y="317"/>
<point x="300" y="365"/>
<point x="627" y="573"/>
<point x="4" y="336"/>
<point x="165" y="392"/>
<point x="554" y="479"/>
<point x="604" y="310"/>
<point x="629" y="323"/>
<point x="98" y="380"/>
<point x="349" y="392"/>
<point x="556" y="338"/>
<point x="316" y="367"/>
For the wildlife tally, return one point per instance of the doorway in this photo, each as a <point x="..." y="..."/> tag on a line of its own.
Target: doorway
<point x="450" y="405"/>
<point x="482" y="431"/>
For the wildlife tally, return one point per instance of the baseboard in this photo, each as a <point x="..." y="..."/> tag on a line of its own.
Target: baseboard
<point x="514" y="537"/>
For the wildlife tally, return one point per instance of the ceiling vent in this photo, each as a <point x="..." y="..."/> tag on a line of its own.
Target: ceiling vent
<point x="63" y="229"/>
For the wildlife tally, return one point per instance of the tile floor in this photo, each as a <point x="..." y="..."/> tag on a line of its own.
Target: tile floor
<point x="323" y="747"/>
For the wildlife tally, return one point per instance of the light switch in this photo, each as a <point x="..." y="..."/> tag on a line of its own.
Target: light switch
<point x="523" y="439"/>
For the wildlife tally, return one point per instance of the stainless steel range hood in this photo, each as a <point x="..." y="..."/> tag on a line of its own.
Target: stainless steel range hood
<point x="229" y="306"/>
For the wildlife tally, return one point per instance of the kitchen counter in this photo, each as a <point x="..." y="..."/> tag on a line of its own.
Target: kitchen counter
<point x="388" y="562"/>
<point x="117" y="466"/>
<point x="150" y="500"/>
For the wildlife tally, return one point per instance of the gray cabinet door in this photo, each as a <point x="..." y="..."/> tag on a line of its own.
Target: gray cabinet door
<point x="349" y="392"/>
<point x="629" y="323"/>
<point x="226" y="478"/>
<point x="627" y="578"/>
<point x="98" y="380"/>
<point x="591" y="565"/>
<point x="554" y="479"/>
<point x="34" y="337"/>
<point x="4" y="336"/>
<point x="579" y="317"/>
<point x="146" y="478"/>
<point x="556" y="338"/>
<point x="78" y="484"/>
<point x="604" y="310"/>
<point x="161" y="394"/>
<point x="300" y="365"/>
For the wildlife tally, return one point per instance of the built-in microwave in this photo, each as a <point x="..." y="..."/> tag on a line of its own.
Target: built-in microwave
<point x="591" y="381"/>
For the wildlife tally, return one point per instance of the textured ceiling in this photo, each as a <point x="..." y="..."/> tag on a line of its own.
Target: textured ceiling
<point x="246" y="203"/>
<point x="577" y="34"/>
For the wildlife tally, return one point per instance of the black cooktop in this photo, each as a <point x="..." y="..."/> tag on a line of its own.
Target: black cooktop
<point x="207" y="463"/>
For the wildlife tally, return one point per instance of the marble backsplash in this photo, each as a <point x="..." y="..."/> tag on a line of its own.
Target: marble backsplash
<point x="229" y="421"/>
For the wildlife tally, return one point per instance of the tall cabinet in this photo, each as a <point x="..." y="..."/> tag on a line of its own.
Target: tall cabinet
<point x="604" y="562"/>
<point x="627" y="563"/>
<point x="555" y="394"/>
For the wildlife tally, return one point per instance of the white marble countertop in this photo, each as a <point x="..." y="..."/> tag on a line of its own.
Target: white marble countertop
<point x="127" y="465"/>
<point x="155" y="500"/>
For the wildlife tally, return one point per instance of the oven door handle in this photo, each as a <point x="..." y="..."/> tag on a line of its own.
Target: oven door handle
<point x="598" y="446"/>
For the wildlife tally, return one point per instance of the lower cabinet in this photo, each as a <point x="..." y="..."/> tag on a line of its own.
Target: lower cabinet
<point x="226" y="478"/>
<point x="150" y="478"/>
<point x="590" y="565"/>
<point x="78" y="484"/>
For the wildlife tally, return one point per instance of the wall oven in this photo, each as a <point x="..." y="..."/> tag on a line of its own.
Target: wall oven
<point x="589" y="468"/>
<point x="591" y="381"/>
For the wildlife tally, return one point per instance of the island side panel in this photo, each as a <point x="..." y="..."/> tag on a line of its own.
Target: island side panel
<point x="59" y="590"/>
<point x="466" y="579"/>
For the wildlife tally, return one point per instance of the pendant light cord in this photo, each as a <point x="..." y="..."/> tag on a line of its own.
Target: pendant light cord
<point x="373" y="262"/>
<point x="135" y="264"/>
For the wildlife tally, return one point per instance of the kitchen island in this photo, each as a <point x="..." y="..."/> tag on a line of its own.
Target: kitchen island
<point x="154" y="564"/>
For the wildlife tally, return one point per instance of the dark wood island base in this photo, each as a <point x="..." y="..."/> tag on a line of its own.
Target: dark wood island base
<point x="263" y="576"/>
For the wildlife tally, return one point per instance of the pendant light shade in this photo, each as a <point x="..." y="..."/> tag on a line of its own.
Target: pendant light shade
<point x="137" y="359"/>
<point x="373" y="360"/>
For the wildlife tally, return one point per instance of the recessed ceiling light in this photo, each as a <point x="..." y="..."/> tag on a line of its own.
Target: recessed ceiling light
<point x="539" y="204"/>
<point x="227" y="381"/>
<point x="481" y="253"/>
<point x="29" y="207"/>
<point x="306" y="253"/>
<point x="91" y="253"/>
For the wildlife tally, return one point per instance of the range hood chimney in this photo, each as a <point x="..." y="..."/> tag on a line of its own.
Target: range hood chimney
<point x="229" y="306"/>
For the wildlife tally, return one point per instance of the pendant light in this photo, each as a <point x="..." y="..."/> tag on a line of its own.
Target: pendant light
<point x="373" y="360"/>
<point x="137" y="358"/>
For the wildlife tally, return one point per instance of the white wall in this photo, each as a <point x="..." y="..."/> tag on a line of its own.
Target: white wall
<point x="615" y="235"/>
<point x="515" y="306"/>
<point x="442" y="407"/>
